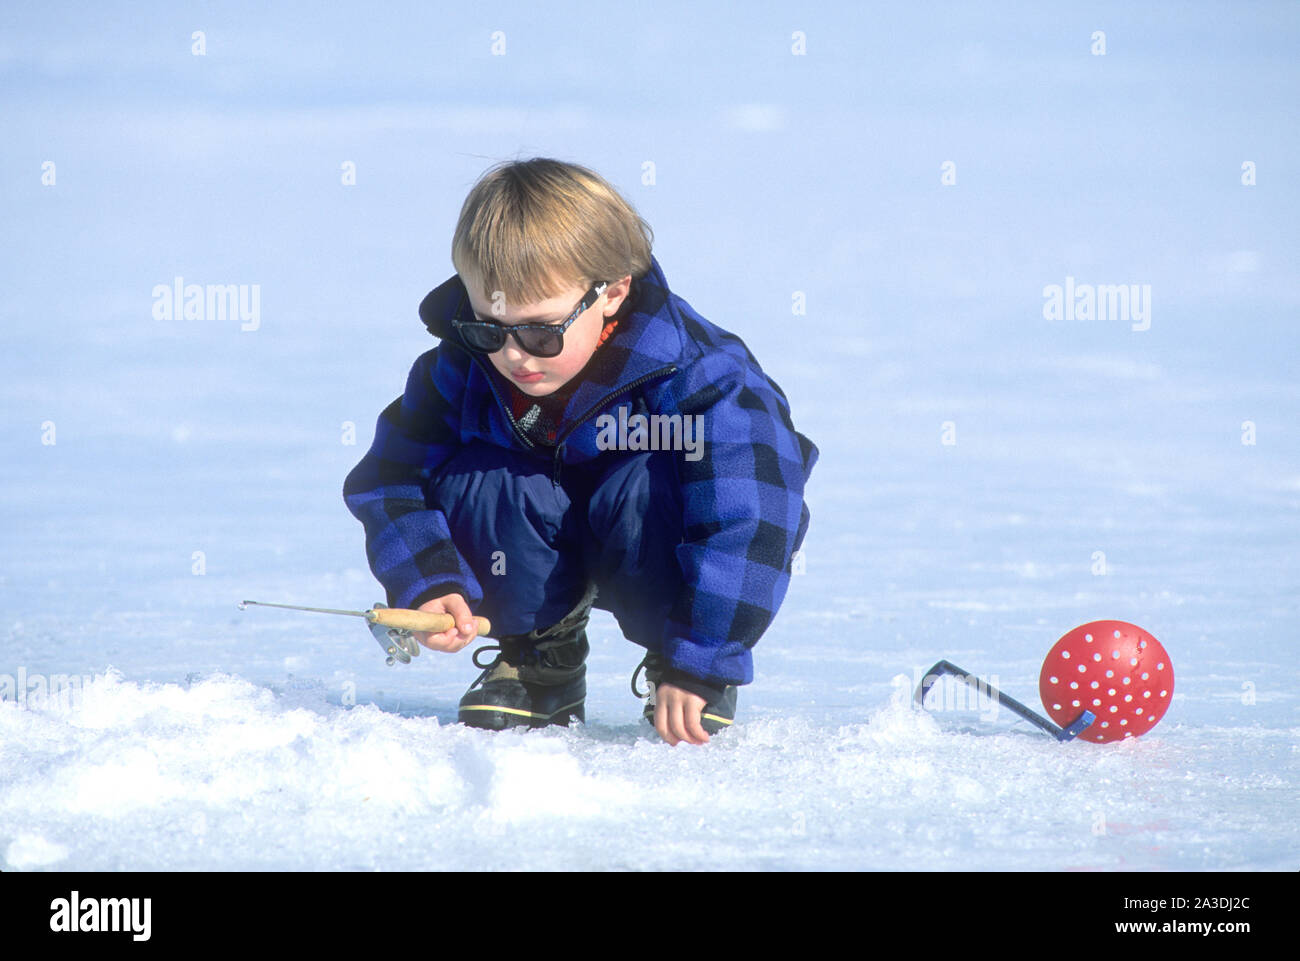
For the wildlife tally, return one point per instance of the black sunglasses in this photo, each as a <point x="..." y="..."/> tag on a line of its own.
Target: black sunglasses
<point x="540" y="340"/>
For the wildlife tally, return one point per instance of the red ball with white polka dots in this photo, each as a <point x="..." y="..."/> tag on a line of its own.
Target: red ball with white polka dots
<point x="1114" y="669"/>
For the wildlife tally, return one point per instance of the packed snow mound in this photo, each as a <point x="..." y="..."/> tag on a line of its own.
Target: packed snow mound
<point x="225" y="774"/>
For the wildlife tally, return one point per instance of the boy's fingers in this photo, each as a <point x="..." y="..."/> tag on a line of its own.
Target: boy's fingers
<point x="683" y="723"/>
<point x="459" y="610"/>
<point x="456" y="637"/>
<point x="438" y="642"/>
<point x="663" y="724"/>
<point x="694" y="726"/>
<point x="679" y="719"/>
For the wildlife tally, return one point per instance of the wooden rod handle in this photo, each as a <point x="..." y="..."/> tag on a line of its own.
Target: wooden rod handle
<point x="421" y="620"/>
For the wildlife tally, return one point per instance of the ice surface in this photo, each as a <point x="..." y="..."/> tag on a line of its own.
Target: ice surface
<point x="226" y="774"/>
<point x="195" y="464"/>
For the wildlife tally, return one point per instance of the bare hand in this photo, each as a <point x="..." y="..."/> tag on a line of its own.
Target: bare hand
<point x="455" y="637"/>
<point x="677" y="715"/>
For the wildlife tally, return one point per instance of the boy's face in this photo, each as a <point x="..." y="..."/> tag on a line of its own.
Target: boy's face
<point x="539" y="376"/>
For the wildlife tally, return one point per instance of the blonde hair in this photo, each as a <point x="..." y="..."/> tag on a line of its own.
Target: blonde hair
<point x="532" y="228"/>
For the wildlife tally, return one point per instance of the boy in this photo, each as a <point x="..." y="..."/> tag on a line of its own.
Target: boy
<point x="582" y="437"/>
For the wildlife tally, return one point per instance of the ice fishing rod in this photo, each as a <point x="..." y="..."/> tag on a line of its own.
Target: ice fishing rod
<point x="391" y="626"/>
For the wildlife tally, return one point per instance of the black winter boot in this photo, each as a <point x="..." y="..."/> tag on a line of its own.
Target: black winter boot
<point x="538" y="678"/>
<point x="720" y="703"/>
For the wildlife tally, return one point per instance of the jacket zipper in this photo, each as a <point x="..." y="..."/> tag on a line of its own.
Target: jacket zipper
<point x="505" y="408"/>
<point x="579" y="421"/>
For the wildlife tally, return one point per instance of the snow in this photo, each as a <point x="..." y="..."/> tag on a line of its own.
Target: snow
<point x="195" y="464"/>
<point x="225" y="774"/>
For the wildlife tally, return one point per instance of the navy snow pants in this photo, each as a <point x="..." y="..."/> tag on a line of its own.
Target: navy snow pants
<point x="535" y="546"/>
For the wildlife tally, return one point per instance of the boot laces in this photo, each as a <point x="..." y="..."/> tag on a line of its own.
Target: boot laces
<point x="643" y="666"/>
<point x="480" y="650"/>
<point x="507" y="653"/>
<point x="513" y="654"/>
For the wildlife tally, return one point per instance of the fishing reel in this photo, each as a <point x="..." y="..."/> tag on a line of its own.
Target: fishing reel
<point x="398" y="643"/>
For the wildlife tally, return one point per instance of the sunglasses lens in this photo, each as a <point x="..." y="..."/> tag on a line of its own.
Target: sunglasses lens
<point x="541" y="343"/>
<point x="483" y="338"/>
<point x="489" y="338"/>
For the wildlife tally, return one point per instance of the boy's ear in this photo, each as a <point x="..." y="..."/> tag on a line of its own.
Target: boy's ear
<point x="617" y="292"/>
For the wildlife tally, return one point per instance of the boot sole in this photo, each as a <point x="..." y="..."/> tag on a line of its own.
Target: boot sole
<point x="497" y="717"/>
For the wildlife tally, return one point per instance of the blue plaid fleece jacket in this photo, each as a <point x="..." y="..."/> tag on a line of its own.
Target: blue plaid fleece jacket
<point x="743" y="499"/>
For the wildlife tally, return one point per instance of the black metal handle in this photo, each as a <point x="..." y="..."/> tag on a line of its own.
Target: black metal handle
<point x="1068" y="733"/>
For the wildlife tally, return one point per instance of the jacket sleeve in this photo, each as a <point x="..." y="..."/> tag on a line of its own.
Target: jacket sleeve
<point x="743" y="511"/>
<point x="409" y="545"/>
